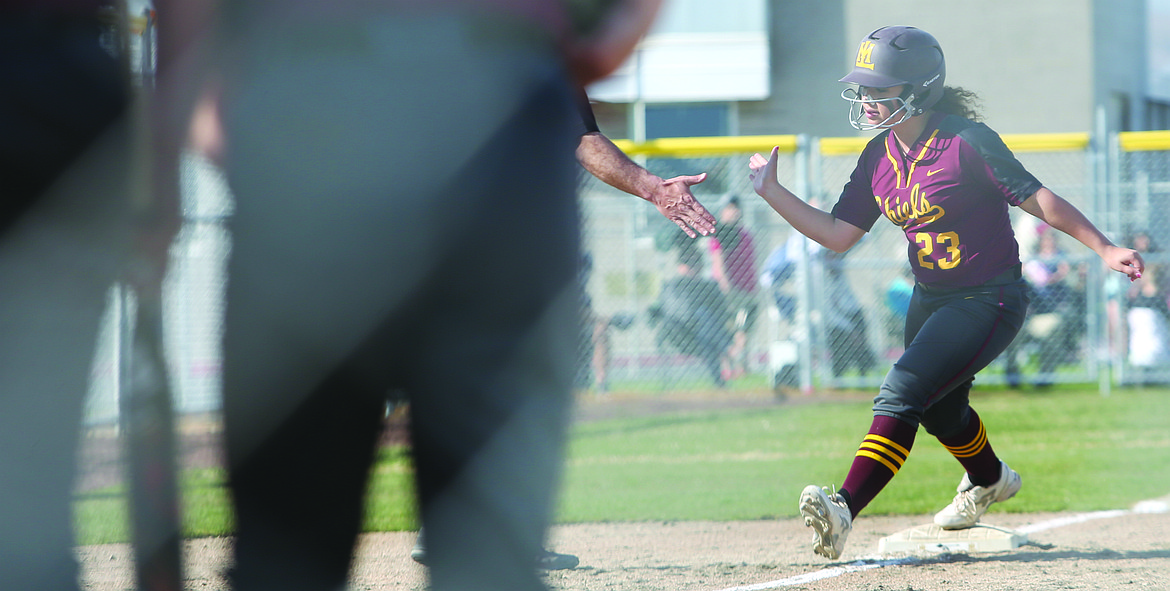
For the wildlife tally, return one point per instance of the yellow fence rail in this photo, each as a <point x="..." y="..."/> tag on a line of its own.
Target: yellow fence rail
<point x="691" y="147"/>
<point x="1144" y="141"/>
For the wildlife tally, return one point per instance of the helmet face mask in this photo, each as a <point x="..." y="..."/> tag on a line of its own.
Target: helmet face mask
<point x="900" y="108"/>
<point x="897" y="56"/>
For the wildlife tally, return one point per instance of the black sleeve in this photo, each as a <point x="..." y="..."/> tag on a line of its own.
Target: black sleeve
<point x="1008" y="175"/>
<point x="588" y="119"/>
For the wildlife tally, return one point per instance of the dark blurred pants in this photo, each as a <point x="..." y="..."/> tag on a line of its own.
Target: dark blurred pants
<point x="62" y="236"/>
<point x="405" y="220"/>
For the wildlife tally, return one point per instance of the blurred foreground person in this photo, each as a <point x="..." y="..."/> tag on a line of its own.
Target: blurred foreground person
<point x="64" y="228"/>
<point x="673" y="198"/>
<point x="405" y="219"/>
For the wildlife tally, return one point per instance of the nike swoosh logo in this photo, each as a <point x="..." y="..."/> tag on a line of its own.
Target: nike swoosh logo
<point x="931" y="172"/>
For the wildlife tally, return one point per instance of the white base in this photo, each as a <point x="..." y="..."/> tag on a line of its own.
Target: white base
<point x="932" y="538"/>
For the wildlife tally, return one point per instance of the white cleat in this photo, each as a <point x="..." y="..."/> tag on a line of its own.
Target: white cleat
<point x="829" y="516"/>
<point x="972" y="501"/>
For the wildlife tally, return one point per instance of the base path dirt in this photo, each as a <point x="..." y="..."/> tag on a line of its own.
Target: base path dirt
<point x="1130" y="551"/>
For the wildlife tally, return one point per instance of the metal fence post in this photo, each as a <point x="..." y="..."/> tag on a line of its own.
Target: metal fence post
<point x="803" y="186"/>
<point x="1097" y="297"/>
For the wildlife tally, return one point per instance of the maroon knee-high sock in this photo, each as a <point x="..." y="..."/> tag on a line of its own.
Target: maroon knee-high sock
<point x="878" y="459"/>
<point x="971" y="448"/>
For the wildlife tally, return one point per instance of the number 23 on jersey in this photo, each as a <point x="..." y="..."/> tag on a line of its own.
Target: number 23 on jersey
<point x="942" y="248"/>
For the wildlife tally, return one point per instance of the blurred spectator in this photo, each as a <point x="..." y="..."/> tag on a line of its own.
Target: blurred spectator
<point x="1054" y="319"/>
<point x="733" y="265"/>
<point x="692" y="316"/>
<point x="780" y="267"/>
<point x="846" y="329"/>
<point x="898" y="293"/>
<point x="1046" y="271"/>
<point x="594" y="350"/>
<point x="1147" y="314"/>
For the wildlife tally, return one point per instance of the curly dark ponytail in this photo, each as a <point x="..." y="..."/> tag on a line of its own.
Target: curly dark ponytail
<point x="959" y="101"/>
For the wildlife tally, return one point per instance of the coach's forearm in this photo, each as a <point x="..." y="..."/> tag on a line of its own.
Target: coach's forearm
<point x="608" y="163"/>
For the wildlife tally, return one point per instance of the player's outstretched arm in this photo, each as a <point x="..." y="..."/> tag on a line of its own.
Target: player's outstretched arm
<point x="817" y="224"/>
<point x="1055" y="211"/>
<point x="672" y="197"/>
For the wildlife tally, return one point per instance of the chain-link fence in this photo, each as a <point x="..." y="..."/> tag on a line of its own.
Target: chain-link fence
<point x="799" y="316"/>
<point x="1138" y="199"/>
<point x="817" y="319"/>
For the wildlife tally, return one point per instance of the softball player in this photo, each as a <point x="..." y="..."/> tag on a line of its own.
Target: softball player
<point x="947" y="182"/>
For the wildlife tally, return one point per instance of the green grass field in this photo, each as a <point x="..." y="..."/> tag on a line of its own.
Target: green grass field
<point x="1076" y="450"/>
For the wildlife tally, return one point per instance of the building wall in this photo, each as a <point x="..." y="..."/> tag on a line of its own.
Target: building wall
<point x="1030" y="61"/>
<point x="1122" y="65"/>
<point x="806" y="40"/>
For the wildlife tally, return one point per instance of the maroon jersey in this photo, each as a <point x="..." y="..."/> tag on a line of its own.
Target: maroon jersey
<point x="950" y="195"/>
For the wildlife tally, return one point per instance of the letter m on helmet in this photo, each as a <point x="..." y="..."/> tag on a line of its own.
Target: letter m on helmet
<point x="865" y="55"/>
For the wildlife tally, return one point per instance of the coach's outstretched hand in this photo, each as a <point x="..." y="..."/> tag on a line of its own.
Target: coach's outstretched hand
<point x="674" y="200"/>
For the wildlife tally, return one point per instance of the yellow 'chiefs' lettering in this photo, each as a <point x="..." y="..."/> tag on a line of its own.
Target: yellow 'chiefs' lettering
<point x="916" y="208"/>
<point x="865" y="55"/>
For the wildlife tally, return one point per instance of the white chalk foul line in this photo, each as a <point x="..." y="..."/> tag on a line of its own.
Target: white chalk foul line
<point x="827" y="573"/>
<point x="1071" y="520"/>
<point x="1144" y="507"/>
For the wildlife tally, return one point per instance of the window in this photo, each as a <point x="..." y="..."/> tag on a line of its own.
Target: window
<point x="687" y="120"/>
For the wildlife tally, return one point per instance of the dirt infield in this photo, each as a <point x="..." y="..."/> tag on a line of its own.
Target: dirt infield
<point x="1130" y="551"/>
<point x="1117" y="550"/>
